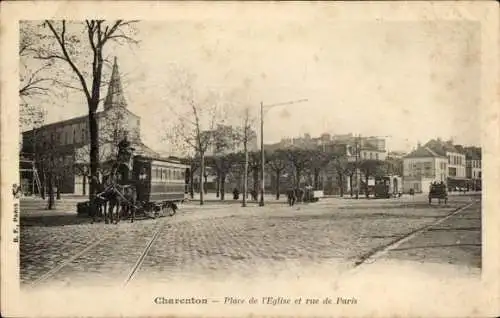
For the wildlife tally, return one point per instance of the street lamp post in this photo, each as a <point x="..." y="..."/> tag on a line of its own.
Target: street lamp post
<point x="262" y="165"/>
<point x="262" y="181"/>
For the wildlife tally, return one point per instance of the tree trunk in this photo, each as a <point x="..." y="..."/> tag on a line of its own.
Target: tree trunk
<point x="298" y="175"/>
<point x="350" y="185"/>
<point x="341" y="181"/>
<point x="366" y="185"/>
<point x="278" y="172"/>
<point x="202" y="174"/>
<point x="58" y="193"/>
<point x="43" y="190"/>
<point x="217" y="189"/>
<point x="51" y="202"/>
<point x="84" y="185"/>
<point x="245" y="177"/>
<point x="94" y="148"/>
<point x="222" y="186"/>
<point x="316" y="179"/>
<point x="256" y="180"/>
<point x="191" y="183"/>
<point x="205" y="188"/>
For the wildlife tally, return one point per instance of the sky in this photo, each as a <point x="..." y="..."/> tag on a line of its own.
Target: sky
<point x="410" y="81"/>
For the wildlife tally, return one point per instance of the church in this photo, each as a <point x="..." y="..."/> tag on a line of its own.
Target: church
<point x="68" y="141"/>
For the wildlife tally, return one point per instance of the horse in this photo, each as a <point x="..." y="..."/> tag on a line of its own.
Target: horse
<point x="253" y="193"/>
<point x="123" y="202"/>
<point x="299" y="194"/>
<point x="291" y="197"/>
<point x="104" y="199"/>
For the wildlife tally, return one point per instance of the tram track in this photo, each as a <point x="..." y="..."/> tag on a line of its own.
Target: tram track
<point x="140" y="260"/>
<point x="377" y="253"/>
<point x="160" y="224"/>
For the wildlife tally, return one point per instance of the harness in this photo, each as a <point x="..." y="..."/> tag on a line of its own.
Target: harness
<point x="112" y="186"/>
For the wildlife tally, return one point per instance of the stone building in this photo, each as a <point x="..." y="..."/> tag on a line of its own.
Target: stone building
<point x="421" y="167"/>
<point x="68" y="141"/>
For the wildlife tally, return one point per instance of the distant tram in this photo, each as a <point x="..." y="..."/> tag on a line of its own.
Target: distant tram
<point x="381" y="188"/>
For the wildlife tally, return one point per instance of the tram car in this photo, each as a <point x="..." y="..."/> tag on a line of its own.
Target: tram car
<point x="381" y="189"/>
<point x="160" y="184"/>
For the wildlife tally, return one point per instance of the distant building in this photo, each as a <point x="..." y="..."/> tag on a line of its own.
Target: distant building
<point x="69" y="140"/>
<point x="456" y="161"/>
<point x="473" y="166"/>
<point x="421" y="167"/>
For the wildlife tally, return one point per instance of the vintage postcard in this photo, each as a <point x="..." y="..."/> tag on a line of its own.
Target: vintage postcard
<point x="249" y="158"/>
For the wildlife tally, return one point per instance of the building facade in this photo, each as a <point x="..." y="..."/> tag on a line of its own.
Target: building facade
<point x="456" y="165"/>
<point x="473" y="167"/>
<point x="421" y="167"/>
<point x="68" y="141"/>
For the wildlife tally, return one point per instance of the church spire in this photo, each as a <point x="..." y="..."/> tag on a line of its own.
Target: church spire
<point x="115" y="97"/>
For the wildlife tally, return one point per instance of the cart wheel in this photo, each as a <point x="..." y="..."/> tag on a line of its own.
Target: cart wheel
<point x="171" y="210"/>
<point x="163" y="211"/>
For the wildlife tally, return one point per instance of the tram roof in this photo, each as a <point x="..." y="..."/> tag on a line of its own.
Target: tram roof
<point x="162" y="159"/>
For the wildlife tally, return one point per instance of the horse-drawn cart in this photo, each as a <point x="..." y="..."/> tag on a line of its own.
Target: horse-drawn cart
<point x="438" y="191"/>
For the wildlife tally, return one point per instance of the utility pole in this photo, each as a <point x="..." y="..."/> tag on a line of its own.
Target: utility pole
<point x="262" y="185"/>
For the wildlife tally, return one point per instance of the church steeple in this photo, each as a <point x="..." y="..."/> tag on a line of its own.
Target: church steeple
<point x="115" y="97"/>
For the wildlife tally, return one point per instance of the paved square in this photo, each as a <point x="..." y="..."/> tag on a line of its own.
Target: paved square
<point x="224" y="240"/>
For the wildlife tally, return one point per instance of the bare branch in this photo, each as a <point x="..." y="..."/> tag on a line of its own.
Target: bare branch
<point x="62" y="43"/>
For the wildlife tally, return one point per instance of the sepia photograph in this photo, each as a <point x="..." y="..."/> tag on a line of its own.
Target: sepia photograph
<point x="235" y="159"/>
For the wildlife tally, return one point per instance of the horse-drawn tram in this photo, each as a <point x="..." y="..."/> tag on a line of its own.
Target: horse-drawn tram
<point x="160" y="184"/>
<point x="139" y="184"/>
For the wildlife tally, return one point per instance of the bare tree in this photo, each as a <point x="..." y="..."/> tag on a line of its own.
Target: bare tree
<point x="196" y="120"/>
<point x="254" y="166"/>
<point x="33" y="77"/>
<point x="319" y="161"/>
<point x="300" y="160"/>
<point x="342" y="169"/>
<point x="81" y="47"/>
<point x="277" y="163"/>
<point x="244" y="134"/>
<point x="54" y="166"/>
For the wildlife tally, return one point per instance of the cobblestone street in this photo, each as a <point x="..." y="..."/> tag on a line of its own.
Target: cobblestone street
<point x="227" y="240"/>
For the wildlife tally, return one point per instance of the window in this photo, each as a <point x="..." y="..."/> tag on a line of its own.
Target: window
<point x="452" y="172"/>
<point x="376" y="156"/>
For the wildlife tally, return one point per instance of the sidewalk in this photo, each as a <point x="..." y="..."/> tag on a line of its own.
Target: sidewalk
<point x="228" y="199"/>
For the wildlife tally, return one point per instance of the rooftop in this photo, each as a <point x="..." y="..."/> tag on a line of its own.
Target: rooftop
<point x="442" y="147"/>
<point x="423" y="152"/>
